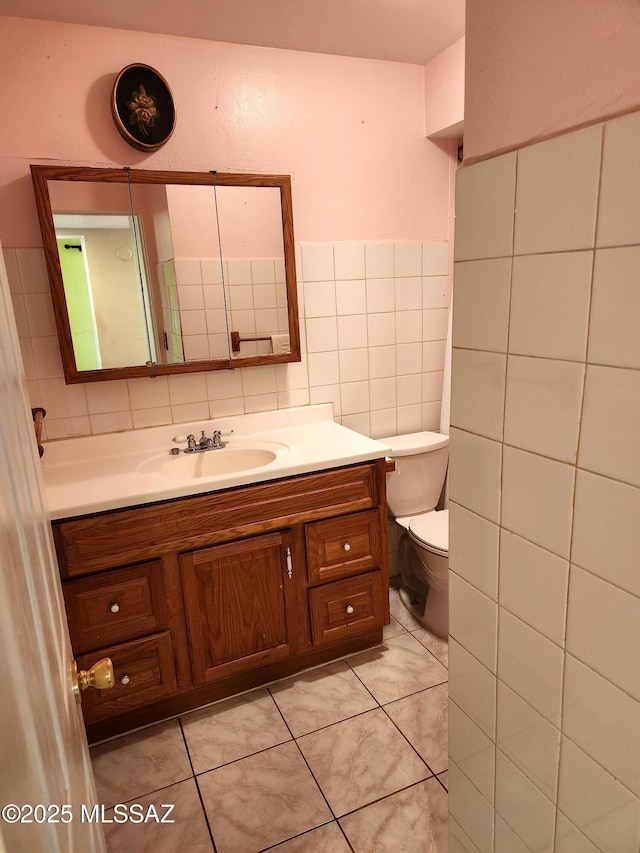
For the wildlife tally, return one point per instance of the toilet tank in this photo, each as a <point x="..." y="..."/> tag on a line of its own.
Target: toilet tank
<point x="421" y="465"/>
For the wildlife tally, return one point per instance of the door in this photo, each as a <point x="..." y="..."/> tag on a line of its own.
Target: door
<point x="236" y="605"/>
<point x="43" y="746"/>
<point x="79" y="298"/>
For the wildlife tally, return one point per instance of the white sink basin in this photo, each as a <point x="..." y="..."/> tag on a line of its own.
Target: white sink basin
<point x="233" y="459"/>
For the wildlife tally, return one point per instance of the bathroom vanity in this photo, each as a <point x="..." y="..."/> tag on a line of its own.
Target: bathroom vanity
<point x="199" y="589"/>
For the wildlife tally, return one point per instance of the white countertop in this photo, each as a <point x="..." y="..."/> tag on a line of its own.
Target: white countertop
<point x="98" y="473"/>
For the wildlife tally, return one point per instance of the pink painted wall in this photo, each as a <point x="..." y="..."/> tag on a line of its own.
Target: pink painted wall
<point x="78" y="196"/>
<point x="539" y="68"/>
<point x="250" y="222"/>
<point x="444" y="92"/>
<point x="349" y="131"/>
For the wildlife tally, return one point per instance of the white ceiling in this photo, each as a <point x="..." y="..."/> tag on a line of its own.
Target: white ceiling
<point x="401" y="30"/>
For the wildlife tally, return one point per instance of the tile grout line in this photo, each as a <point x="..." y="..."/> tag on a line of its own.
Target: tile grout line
<point x="195" y="779"/>
<point x="303" y="834"/>
<point x="563" y="675"/>
<point x="302" y="755"/>
<point x="392" y="794"/>
<point x="424" y="760"/>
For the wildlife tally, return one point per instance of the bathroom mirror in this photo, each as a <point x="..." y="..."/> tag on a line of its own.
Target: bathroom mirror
<point x="156" y="273"/>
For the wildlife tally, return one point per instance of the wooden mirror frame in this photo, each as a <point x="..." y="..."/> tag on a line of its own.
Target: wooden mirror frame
<point x="42" y="174"/>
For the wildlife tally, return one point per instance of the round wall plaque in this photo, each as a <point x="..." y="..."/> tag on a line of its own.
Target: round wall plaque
<point x="142" y="107"/>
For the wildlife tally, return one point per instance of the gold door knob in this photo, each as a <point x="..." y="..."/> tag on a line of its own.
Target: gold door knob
<point x="99" y="676"/>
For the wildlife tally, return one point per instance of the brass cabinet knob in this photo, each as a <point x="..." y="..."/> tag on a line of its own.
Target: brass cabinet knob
<point x="99" y="676"/>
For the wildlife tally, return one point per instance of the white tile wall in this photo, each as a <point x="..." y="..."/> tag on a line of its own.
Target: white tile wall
<point x="373" y="328"/>
<point x="473" y="551"/>
<point x="619" y="213"/>
<point x="488" y="233"/>
<point x="596" y="803"/>
<point x="473" y="620"/>
<point x="470" y="809"/>
<point x="529" y="740"/>
<point x="545" y="494"/>
<point x="481" y="313"/>
<point x="531" y="814"/>
<point x="598" y="717"/>
<point x="537" y="499"/>
<point x="533" y="585"/>
<point x="475" y="469"/>
<point x="472" y="751"/>
<point x="569" y="839"/>
<point x="550" y="305"/>
<point x="557" y="194"/>
<point x="610" y="439"/>
<point x="543" y="402"/>
<point x="531" y="665"/>
<point x="616" y="506"/>
<point x="479" y="405"/>
<point x="613" y="337"/>
<point x="473" y="688"/>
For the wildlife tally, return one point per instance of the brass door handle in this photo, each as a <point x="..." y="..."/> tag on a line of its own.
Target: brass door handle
<point x="99" y="676"/>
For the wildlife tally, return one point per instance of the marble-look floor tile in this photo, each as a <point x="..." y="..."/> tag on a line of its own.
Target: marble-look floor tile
<point x="326" y="839"/>
<point x="140" y="763"/>
<point x="261" y="800"/>
<point x="188" y="832"/>
<point x="398" y="668"/>
<point x="360" y="760"/>
<point x="422" y="719"/>
<point x="400" y="612"/>
<point x="407" y="822"/>
<point x="233" y="729"/>
<point x="436" y="645"/>
<point x="321" y="697"/>
<point x="444" y="778"/>
<point x="392" y="629"/>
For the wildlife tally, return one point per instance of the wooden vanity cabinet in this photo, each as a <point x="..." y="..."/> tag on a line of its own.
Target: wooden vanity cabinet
<point x="201" y="597"/>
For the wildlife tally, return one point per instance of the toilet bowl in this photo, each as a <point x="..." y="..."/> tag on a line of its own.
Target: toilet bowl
<point x="424" y="569"/>
<point x="413" y="491"/>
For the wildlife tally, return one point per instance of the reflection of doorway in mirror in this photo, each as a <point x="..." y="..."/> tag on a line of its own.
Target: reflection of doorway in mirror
<point x="80" y="308"/>
<point x="115" y="286"/>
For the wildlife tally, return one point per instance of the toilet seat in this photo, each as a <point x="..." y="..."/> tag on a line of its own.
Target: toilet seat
<point x="431" y="531"/>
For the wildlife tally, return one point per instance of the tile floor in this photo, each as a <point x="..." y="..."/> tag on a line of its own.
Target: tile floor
<point x="351" y="756"/>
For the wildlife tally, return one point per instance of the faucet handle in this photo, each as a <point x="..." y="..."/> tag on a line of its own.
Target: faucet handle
<point x="217" y="437"/>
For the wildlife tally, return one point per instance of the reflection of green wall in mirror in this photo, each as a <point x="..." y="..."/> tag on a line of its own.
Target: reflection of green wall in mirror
<point x="79" y="306"/>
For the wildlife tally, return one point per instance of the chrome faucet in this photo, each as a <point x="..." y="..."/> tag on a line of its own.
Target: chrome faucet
<point x="203" y="443"/>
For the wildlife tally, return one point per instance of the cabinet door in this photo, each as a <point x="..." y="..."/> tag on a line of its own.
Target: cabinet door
<point x="236" y="605"/>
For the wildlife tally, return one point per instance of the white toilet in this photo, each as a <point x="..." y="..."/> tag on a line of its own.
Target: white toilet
<point x="413" y="491"/>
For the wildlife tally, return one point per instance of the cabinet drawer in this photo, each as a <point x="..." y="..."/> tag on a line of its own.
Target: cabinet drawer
<point x="143" y="672"/>
<point x="343" y="546"/>
<point x="115" y="606"/>
<point x="345" y="608"/>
